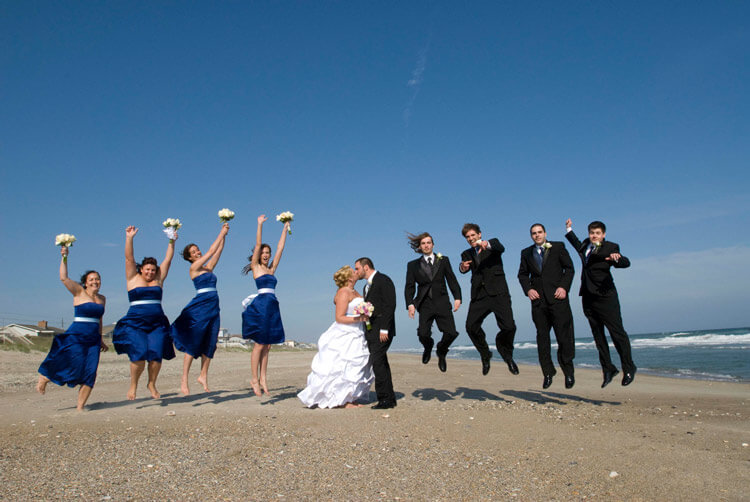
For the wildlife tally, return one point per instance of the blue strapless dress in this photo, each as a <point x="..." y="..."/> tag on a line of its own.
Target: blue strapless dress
<point x="261" y="320"/>
<point x="143" y="334"/>
<point x="74" y="355"/>
<point x="196" y="330"/>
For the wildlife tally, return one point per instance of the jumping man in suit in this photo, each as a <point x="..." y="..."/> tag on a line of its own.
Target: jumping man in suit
<point x="601" y="304"/>
<point x="427" y="276"/>
<point x="489" y="294"/>
<point x="545" y="274"/>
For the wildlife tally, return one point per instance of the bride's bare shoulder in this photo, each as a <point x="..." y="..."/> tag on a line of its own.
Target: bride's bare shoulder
<point x="345" y="294"/>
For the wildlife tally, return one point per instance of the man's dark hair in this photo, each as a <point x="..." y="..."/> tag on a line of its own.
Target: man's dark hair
<point x="597" y="224"/>
<point x="470" y="226"/>
<point x="415" y="240"/>
<point x="365" y="261"/>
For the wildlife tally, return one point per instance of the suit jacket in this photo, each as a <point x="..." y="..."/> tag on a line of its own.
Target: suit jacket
<point x="596" y="278"/>
<point x="382" y="295"/>
<point x="487" y="270"/>
<point x="420" y="278"/>
<point x="557" y="271"/>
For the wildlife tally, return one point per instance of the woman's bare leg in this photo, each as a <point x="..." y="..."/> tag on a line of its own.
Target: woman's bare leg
<point x="254" y="363"/>
<point x="186" y="362"/>
<point x="136" y="368"/>
<point x="203" y="378"/>
<point x="264" y="368"/>
<point x="83" y="395"/>
<point x="153" y="372"/>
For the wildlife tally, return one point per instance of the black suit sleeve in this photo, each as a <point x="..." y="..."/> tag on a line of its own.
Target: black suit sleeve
<point x="523" y="274"/>
<point x="574" y="241"/>
<point x="496" y="247"/>
<point x="410" y="287"/>
<point x="622" y="262"/>
<point x="388" y="303"/>
<point x="568" y="270"/>
<point x="466" y="256"/>
<point x="452" y="281"/>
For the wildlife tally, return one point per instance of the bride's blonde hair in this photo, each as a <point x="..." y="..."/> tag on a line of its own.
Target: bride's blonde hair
<point x="342" y="276"/>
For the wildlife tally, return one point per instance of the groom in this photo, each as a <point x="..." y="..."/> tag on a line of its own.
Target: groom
<point x="381" y="292"/>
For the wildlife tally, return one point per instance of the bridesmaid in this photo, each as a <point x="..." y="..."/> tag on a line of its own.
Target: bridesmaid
<point x="261" y="319"/>
<point x="74" y="355"/>
<point x="143" y="334"/>
<point x="196" y="330"/>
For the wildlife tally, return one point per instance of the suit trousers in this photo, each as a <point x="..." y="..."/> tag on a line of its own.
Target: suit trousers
<point x="445" y="323"/>
<point x="381" y="368"/>
<point x="479" y="308"/>
<point x="559" y="317"/>
<point x="604" y="311"/>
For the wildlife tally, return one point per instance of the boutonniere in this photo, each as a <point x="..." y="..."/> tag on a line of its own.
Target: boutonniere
<point x="439" y="256"/>
<point x="597" y="245"/>
<point x="546" y="245"/>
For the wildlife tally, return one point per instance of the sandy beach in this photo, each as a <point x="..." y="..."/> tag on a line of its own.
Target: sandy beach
<point x="455" y="435"/>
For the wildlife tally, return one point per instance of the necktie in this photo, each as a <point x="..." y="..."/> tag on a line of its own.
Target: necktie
<point x="429" y="260"/>
<point x="367" y="288"/>
<point x="589" y="251"/>
<point x="538" y="257"/>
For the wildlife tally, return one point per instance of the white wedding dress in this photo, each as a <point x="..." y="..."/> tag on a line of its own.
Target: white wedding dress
<point x="341" y="370"/>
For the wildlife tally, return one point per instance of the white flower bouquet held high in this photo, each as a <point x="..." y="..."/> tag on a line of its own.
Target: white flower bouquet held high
<point x="65" y="240"/>
<point x="171" y="225"/>
<point x="225" y="215"/>
<point x="284" y="217"/>
<point x="366" y="309"/>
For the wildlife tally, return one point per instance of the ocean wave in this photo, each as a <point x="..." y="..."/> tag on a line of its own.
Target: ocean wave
<point x="693" y="340"/>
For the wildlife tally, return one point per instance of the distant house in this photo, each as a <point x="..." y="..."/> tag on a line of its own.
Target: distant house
<point x="40" y="329"/>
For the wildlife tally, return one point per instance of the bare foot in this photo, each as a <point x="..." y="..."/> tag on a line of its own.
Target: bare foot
<point x="255" y="386"/>
<point x="154" y="393"/>
<point x="41" y="385"/>
<point x="265" y="388"/>
<point x="352" y="405"/>
<point x="184" y="388"/>
<point x="131" y="392"/>
<point x="203" y="382"/>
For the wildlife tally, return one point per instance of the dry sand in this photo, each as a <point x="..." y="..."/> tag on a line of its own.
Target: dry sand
<point x="455" y="435"/>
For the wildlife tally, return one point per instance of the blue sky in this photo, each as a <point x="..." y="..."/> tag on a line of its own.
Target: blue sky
<point x="369" y="119"/>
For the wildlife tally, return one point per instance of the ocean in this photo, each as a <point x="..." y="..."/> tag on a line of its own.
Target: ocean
<point x="714" y="354"/>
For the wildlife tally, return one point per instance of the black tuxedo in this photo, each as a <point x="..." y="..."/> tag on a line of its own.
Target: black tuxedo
<point x="382" y="295"/>
<point x="548" y="312"/>
<point x="489" y="294"/>
<point x="601" y="304"/>
<point x="432" y="300"/>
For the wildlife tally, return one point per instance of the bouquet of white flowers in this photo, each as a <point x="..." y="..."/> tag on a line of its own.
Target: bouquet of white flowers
<point x="284" y="217"/>
<point x="171" y="225"/>
<point x="225" y="215"/>
<point x="65" y="240"/>
<point x="366" y="309"/>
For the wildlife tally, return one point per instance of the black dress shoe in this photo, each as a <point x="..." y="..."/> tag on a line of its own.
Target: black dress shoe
<point x="426" y="355"/>
<point x="441" y="363"/>
<point x="628" y="377"/>
<point x="569" y="381"/>
<point x="513" y="368"/>
<point x="485" y="366"/>
<point x="608" y="376"/>
<point x="547" y="381"/>
<point x="384" y="405"/>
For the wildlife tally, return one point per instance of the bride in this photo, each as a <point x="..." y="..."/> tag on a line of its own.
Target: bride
<point x="341" y="371"/>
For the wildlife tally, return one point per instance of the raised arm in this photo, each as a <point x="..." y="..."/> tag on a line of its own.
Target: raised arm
<point x="131" y="269"/>
<point x="72" y="286"/>
<point x="211" y="258"/>
<point x="280" y="247"/>
<point x="167" y="262"/>
<point x="255" y="260"/>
